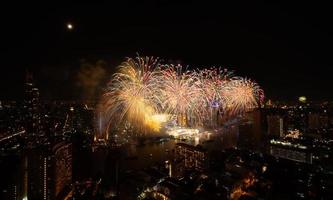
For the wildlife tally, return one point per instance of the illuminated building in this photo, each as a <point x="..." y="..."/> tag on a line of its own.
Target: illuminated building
<point x="101" y="135"/>
<point x="269" y="103"/>
<point x="48" y="172"/>
<point x="78" y="118"/>
<point x="36" y="171"/>
<point x="291" y="149"/>
<point x="214" y="116"/>
<point x="293" y="134"/>
<point x="70" y="121"/>
<point x="275" y="125"/>
<point x="191" y="157"/>
<point x="62" y="163"/>
<point x="31" y="104"/>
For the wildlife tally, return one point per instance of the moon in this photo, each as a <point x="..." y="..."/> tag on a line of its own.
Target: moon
<point x="69" y="26"/>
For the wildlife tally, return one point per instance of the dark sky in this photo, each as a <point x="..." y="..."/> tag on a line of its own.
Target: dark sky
<point x="286" y="48"/>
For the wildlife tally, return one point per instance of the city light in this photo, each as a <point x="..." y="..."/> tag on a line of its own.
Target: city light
<point x="302" y="99"/>
<point x="196" y="140"/>
<point x="179" y="132"/>
<point x="85" y="114"/>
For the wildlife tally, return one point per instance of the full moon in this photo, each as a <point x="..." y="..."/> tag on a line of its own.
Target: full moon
<point x="69" y="26"/>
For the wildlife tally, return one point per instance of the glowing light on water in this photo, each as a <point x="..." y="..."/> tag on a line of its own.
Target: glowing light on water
<point x="196" y="140"/>
<point x="178" y="132"/>
<point x="162" y="118"/>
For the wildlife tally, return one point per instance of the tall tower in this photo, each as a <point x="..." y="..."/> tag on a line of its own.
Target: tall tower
<point x="31" y="105"/>
<point x="48" y="172"/>
<point x="61" y="169"/>
<point x="101" y="135"/>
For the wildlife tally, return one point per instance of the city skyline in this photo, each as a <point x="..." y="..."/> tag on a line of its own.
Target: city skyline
<point x="164" y="100"/>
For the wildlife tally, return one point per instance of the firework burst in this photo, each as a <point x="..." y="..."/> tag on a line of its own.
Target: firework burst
<point x="211" y="82"/>
<point x="241" y="95"/>
<point x="145" y="92"/>
<point x="131" y="93"/>
<point x="180" y="92"/>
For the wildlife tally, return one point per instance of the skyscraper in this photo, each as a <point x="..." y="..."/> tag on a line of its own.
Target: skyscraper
<point x="62" y="169"/>
<point x="48" y="172"/>
<point x="190" y="157"/>
<point x="101" y="135"/>
<point x="31" y="105"/>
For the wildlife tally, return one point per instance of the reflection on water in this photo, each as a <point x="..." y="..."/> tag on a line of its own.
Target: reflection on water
<point x="111" y="163"/>
<point x="134" y="157"/>
<point x="142" y="156"/>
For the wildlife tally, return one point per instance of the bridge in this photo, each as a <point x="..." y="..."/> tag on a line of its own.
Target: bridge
<point x="12" y="136"/>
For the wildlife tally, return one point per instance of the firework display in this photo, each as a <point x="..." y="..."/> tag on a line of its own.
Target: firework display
<point x="180" y="93"/>
<point x="241" y="95"/>
<point x="145" y="93"/>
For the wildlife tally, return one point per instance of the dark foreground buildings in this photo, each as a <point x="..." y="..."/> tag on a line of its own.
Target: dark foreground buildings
<point x="48" y="172"/>
<point x="48" y="151"/>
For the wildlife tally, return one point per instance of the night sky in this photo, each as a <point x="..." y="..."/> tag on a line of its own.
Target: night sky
<point x="286" y="48"/>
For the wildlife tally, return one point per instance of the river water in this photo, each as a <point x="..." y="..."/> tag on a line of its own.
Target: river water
<point x="136" y="157"/>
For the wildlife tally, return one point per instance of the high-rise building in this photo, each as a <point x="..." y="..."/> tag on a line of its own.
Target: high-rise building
<point x="190" y="157"/>
<point x="291" y="150"/>
<point x="36" y="174"/>
<point x="31" y="104"/>
<point x="101" y="135"/>
<point x="48" y="172"/>
<point x="62" y="169"/>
